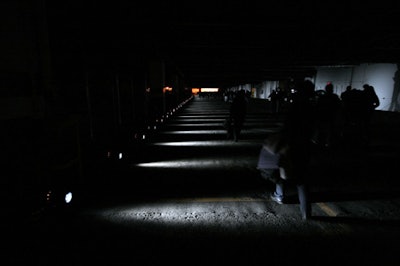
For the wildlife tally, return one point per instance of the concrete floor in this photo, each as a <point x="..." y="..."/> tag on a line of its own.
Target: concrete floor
<point x="189" y="196"/>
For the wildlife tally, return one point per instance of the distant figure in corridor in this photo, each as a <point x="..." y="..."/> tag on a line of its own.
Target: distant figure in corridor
<point x="395" y="104"/>
<point x="298" y="130"/>
<point x="327" y="111"/>
<point x="371" y="102"/>
<point x="276" y="98"/>
<point x="237" y="114"/>
<point x="345" y="97"/>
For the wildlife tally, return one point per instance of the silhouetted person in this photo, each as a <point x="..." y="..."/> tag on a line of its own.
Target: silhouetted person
<point x="395" y="104"/>
<point x="327" y="110"/>
<point x="298" y="130"/>
<point x="237" y="114"/>
<point x="345" y="98"/>
<point x="370" y="102"/>
<point x="354" y="112"/>
<point x="344" y="95"/>
<point x="273" y="97"/>
<point x="276" y="98"/>
<point x="371" y="97"/>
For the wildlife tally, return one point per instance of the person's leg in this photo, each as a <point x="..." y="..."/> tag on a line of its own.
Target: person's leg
<point x="229" y="129"/>
<point x="237" y="129"/>
<point x="279" y="193"/>
<point x="236" y="133"/>
<point x="305" y="204"/>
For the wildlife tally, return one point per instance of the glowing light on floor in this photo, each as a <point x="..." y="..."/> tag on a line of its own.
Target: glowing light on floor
<point x="203" y="163"/>
<point x="207" y="143"/>
<point x="68" y="197"/>
<point x="192" y="213"/>
<point x="218" y="131"/>
<point x="197" y="124"/>
<point x="184" y="118"/>
<point x="193" y="132"/>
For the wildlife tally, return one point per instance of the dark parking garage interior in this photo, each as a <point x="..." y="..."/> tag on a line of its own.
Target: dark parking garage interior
<point x="111" y="157"/>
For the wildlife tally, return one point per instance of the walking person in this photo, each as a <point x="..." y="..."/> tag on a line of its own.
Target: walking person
<point x="237" y="114"/>
<point x="346" y="97"/>
<point x="370" y="103"/>
<point x="327" y="111"/>
<point x="297" y="132"/>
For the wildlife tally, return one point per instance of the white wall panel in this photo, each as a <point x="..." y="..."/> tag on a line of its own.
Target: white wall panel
<point x="378" y="75"/>
<point x="340" y="77"/>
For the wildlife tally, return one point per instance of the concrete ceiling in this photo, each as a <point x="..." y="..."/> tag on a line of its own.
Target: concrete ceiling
<point x="220" y="44"/>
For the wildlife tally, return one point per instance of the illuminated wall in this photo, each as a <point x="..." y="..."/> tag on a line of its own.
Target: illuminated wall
<point x="378" y="75"/>
<point x="245" y="87"/>
<point x="264" y="89"/>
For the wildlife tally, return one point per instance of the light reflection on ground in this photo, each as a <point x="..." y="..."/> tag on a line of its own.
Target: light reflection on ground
<point x="222" y="143"/>
<point x="203" y="163"/>
<point x="224" y="213"/>
<point x="217" y="131"/>
<point x="203" y="216"/>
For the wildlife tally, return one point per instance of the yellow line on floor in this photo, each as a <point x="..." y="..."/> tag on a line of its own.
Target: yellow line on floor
<point x="328" y="210"/>
<point x="332" y="213"/>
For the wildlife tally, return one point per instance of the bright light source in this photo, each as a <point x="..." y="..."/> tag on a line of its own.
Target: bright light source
<point x="120" y="155"/>
<point x="166" y="88"/>
<point x="48" y="195"/>
<point x="209" y="89"/>
<point x="195" y="90"/>
<point x="68" y="197"/>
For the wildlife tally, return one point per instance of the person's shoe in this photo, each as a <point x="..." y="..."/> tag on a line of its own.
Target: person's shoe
<point x="306" y="217"/>
<point x="276" y="198"/>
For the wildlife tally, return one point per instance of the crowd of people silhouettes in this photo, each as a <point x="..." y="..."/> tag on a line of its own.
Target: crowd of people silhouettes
<point x="310" y="119"/>
<point x="358" y="107"/>
<point x="315" y="119"/>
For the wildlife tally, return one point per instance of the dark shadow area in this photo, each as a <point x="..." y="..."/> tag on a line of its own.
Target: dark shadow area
<point x="359" y="221"/>
<point x="337" y="196"/>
